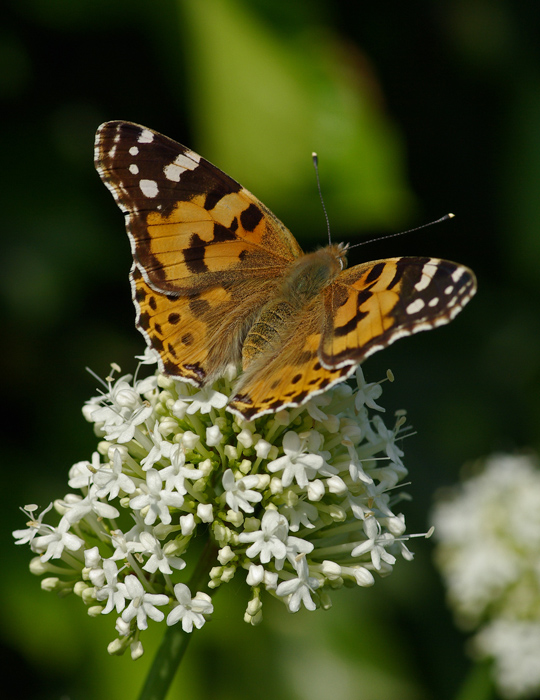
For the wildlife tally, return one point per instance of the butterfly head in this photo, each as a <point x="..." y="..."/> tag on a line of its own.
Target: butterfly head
<point x="339" y="251"/>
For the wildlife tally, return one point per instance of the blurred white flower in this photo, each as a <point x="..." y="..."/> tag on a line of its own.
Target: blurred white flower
<point x="488" y="552"/>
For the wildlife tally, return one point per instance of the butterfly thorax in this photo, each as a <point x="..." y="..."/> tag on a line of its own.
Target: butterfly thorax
<point x="302" y="284"/>
<point x="311" y="273"/>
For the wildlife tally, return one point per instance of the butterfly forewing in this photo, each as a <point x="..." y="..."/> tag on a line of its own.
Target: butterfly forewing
<point x="372" y="305"/>
<point x="212" y="262"/>
<point x="190" y="224"/>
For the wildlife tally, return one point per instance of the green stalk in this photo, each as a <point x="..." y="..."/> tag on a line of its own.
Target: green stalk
<point x="175" y="641"/>
<point x="478" y="684"/>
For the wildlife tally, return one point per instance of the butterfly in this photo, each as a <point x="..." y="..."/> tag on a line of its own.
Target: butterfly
<point x="218" y="279"/>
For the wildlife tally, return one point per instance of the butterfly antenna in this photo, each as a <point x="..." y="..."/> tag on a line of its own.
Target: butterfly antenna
<point x="401" y="233"/>
<point x="316" y="166"/>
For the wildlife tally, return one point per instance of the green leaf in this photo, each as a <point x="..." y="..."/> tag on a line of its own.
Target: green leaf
<point x="264" y="100"/>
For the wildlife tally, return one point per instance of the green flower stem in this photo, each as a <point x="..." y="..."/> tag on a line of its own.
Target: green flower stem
<point x="478" y="684"/>
<point x="175" y="641"/>
<point x="165" y="664"/>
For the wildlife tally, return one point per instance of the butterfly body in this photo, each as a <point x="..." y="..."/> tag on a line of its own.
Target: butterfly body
<point x="218" y="279"/>
<point x="301" y="286"/>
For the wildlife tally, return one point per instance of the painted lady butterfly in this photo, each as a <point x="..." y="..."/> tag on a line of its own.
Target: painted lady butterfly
<point x="218" y="279"/>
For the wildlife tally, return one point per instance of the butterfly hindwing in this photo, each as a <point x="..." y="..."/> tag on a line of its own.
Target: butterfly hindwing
<point x="171" y="327"/>
<point x="197" y="335"/>
<point x="290" y="376"/>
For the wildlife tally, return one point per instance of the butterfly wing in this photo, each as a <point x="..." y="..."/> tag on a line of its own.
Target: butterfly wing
<point x="372" y="305"/>
<point x="195" y="337"/>
<point x="367" y="308"/>
<point x="206" y="252"/>
<point x="292" y="375"/>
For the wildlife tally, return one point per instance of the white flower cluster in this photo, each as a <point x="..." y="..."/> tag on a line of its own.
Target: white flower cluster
<point x="300" y="502"/>
<point x="489" y="555"/>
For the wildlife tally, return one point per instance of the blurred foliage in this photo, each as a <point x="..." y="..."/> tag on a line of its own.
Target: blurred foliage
<point x="279" y="96"/>
<point x="415" y="109"/>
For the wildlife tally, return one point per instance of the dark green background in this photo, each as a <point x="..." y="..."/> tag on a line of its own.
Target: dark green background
<point x="415" y="109"/>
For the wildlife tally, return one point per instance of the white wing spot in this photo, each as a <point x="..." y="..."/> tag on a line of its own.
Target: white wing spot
<point x="187" y="161"/>
<point x="416" y="306"/>
<point x="433" y="302"/>
<point x="134" y="151"/>
<point x="134" y="169"/>
<point x="146" y="136"/>
<point x="449" y="289"/>
<point x="458" y="274"/>
<point x="181" y="163"/>
<point x="112" y="152"/>
<point x="149" y="188"/>
<point x="173" y="172"/>
<point x="423" y="282"/>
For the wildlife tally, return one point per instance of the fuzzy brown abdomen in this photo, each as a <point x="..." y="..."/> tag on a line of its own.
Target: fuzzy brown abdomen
<point x="267" y="332"/>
